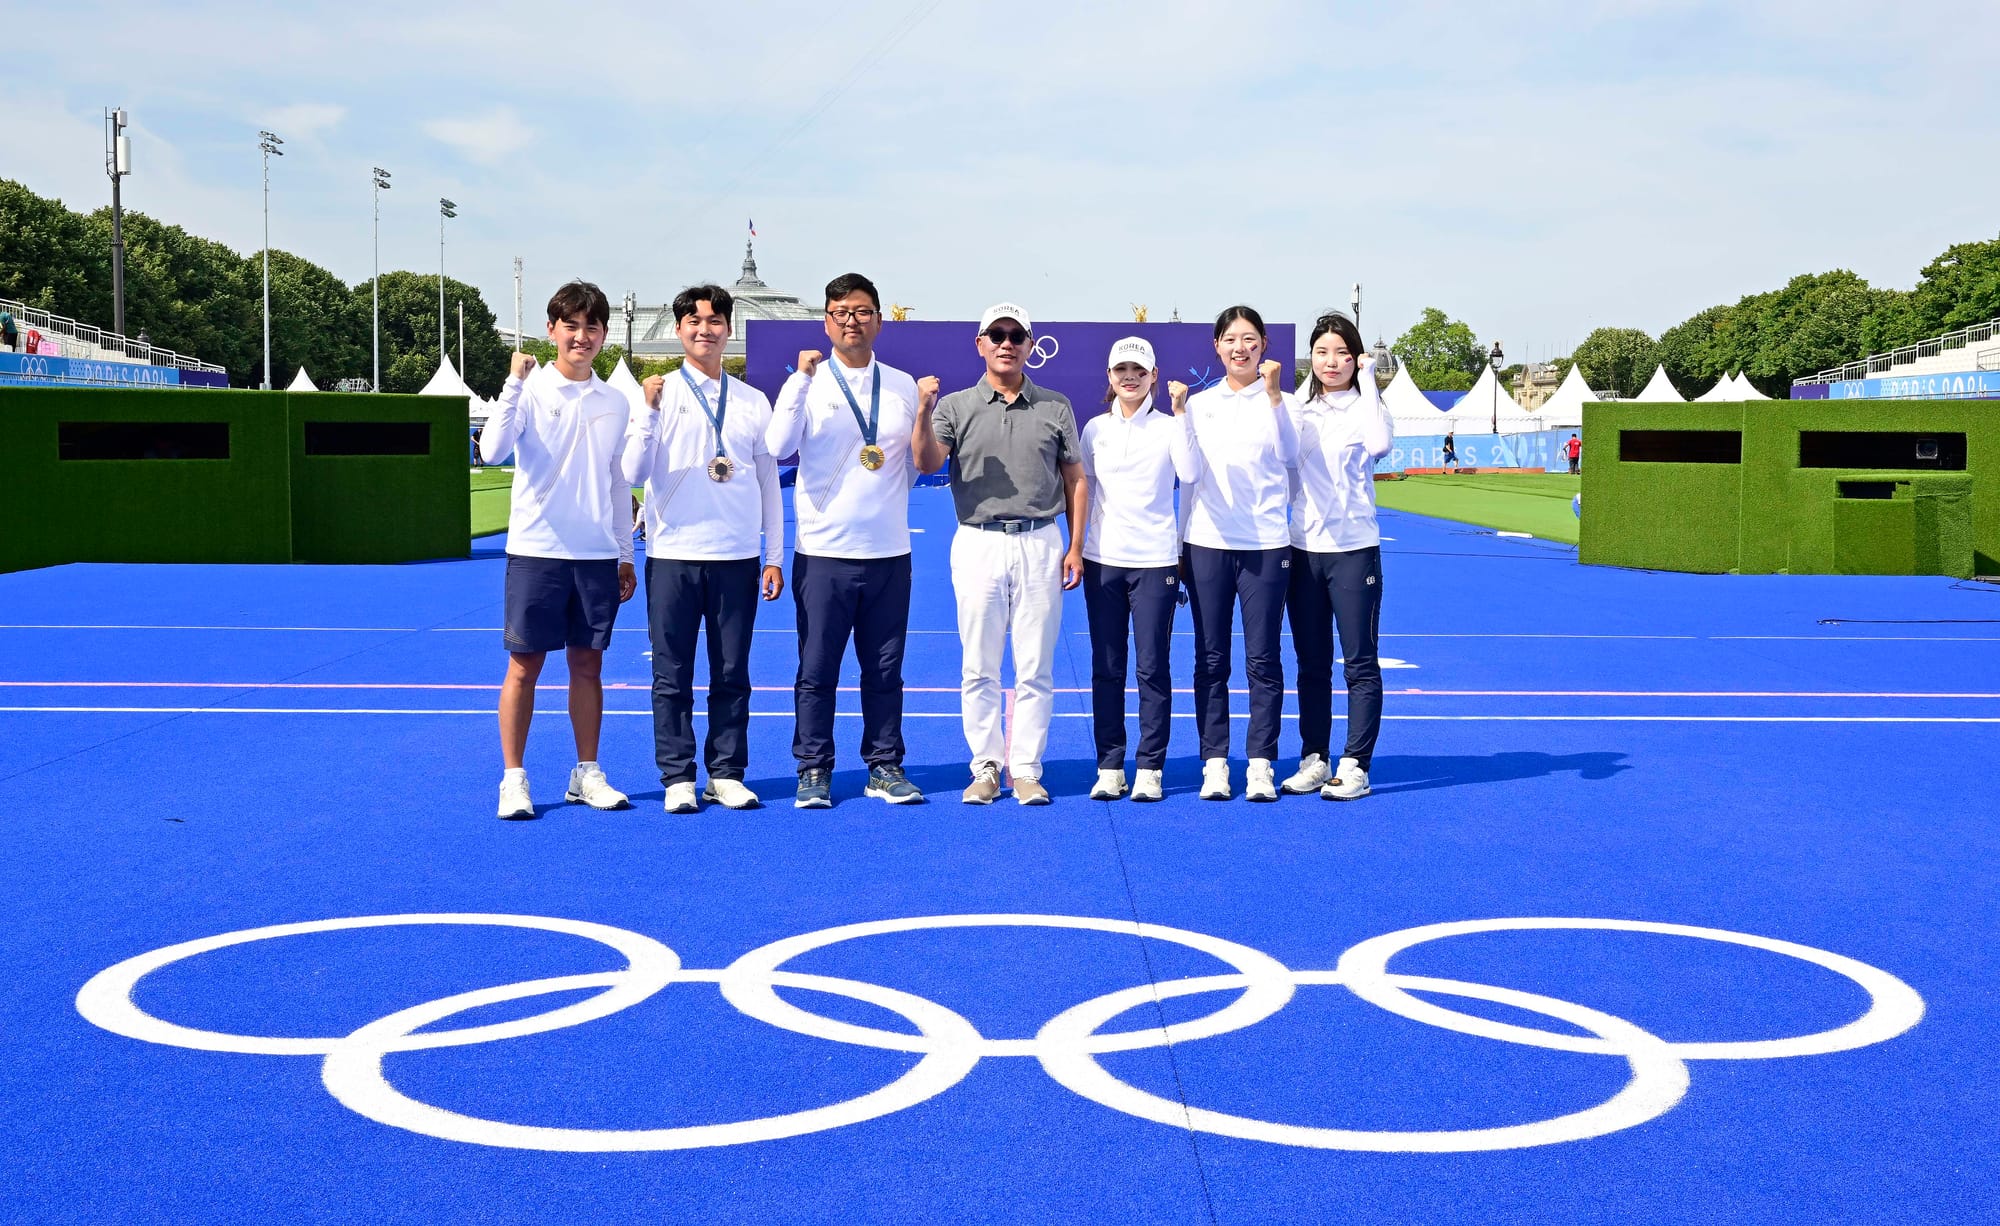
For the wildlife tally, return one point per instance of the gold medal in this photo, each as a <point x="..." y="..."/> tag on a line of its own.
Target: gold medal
<point x="721" y="468"/>
<point x="872" y="457"/>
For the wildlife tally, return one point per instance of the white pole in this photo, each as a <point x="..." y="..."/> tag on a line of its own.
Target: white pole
<point x="375" y="292"/>
<point x="267" y="269"/>
<point x="518" y="339"/>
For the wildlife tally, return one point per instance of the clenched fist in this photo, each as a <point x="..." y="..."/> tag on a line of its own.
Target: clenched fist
<point x="809" y="361"/>
<point x="522" y="365"/>
<point x="927" y="392"/>
<point x="653" y="386"/>
<point x="1177" y="392"/>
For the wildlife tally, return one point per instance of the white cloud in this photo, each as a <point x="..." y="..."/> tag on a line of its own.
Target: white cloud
<point x="305" y="120"/>
<point x="488" y="139"/>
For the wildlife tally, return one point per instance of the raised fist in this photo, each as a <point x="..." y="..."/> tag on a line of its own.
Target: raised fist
<point x="1271" y="370"/>
<point x="521" y="365"/>
<point x="809" y="361"/>
<point x="927" y="391"/>
<point x="1177" y="392"/>
<point x="653" y="386"/>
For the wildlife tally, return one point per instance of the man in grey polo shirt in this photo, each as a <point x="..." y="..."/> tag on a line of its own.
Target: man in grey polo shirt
<point x="1015" y="463"/>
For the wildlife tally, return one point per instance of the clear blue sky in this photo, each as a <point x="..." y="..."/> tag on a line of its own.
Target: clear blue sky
<point x="1535" y="169"/>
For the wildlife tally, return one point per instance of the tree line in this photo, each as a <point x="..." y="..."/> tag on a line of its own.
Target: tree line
<point x="203" y="299"/>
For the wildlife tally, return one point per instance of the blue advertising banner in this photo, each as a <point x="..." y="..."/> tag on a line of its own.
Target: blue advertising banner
<point x="1541" y="449"/>
<point x="1956" y="385"/>
<point x="1069" y="357"/>
<point x="34" y="368"/>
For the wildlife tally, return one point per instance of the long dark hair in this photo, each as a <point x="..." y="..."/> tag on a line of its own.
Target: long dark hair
<point x="1248" y="314"/>
<point x="1338" y="324"/>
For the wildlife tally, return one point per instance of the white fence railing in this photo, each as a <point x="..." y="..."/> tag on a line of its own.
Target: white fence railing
<point x="1883" y="363"/>
<point x="62" y="326"/>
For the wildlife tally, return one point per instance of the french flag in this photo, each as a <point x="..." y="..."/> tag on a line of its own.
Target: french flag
<point x="753" y="229"/>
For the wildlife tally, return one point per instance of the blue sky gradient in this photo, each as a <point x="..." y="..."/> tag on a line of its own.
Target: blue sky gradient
<point x="1537" y="170"/>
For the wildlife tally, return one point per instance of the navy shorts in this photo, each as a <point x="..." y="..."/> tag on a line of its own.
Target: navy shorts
<point x="553" y="603"/>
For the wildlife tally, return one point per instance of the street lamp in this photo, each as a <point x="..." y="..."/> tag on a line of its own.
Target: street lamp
<point x="117" y="164"/>
<point x="445" y="209"/>
<point x="1496" y="357"/>
<point x="269" y="145"/>
<point x="631" y="307"/>
<point x="1356" y="300"/>
<point x="381" y="185"/>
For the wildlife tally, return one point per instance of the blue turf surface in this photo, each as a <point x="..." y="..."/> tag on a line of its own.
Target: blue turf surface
<point x="1586" y="743"/>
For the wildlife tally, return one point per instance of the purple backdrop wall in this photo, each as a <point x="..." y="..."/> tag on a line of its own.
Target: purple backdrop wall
<point x="1069" y="357"/>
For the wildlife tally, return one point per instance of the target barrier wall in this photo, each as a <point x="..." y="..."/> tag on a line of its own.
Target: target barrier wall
<point x="127" y="475"/>
<point x="1793" y="487"/>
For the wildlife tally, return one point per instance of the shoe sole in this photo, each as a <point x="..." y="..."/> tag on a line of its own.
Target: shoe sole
<point x="1215" y="795"/>
<point x="1033" y="800"/>
<point x="1289" y="790"/>
<point x="879" y="794"/>
<point x="519" y="815"/>
<point x="1106" y="795"/>
<point x="1144" y="798"/>
<point x="1336" y="796"/>
<point x="1260" y="798"/>
<point x="976" y="800"/>
<point x="576" y="798"/>
<point x="713" y="799"/>
<point x="817" y="802"/>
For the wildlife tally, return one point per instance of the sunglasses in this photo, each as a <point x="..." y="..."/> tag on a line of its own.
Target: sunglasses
<point x="1007" y="336"/>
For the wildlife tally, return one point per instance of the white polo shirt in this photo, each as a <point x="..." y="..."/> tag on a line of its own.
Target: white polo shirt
<point x="569" y="499"/>
<point x="689" y="517"/>
<point x="845" y="510"/>
<point x="1247" y="448"/>
<point x="1341" y="435"/>
<point x="1132" y="463"/>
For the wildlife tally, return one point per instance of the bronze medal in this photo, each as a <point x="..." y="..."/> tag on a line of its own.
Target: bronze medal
<point x="721" y="468"/>
<point x="872" y="457"/>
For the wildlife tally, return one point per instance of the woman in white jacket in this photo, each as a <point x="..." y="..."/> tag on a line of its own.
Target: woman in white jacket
<point x="1132" y="456"/>
<point x="1336" y="577"/>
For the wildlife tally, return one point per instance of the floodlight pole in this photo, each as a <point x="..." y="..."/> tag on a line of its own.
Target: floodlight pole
<point x="445" y="209"/>
<point x="381" y="185"/>
<point x="117" y="164"/>
<point x="517" y="304"/>
<point x="269" y="145"/>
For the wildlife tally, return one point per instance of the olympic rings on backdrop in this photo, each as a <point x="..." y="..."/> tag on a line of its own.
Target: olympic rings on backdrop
<point x="1045" y="350"/>
<point x="950" y="1046"/>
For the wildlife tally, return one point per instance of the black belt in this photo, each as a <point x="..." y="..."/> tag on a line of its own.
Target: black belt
<point x="1013" y="526"/>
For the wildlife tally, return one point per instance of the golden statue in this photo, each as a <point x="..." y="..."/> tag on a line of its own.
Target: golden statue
<point x="1138" y="312"/>
<point x="899" y="312"/>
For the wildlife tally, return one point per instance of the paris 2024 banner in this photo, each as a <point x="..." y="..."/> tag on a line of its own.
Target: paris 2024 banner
<point x="1070" y="358"/>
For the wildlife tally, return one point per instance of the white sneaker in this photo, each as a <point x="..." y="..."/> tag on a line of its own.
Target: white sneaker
<point x="1312" y="773"/>
<point x="1259" y="781"/>
<point x="588" y="784"/>
<point x="731" y="793"/>
<point x="1215" y="779"/>
<point x="1110" y="785"/>
<point x="680" y="798"/>
<point x="514" y="803"/>
<point x="1349" y="782"/>
<point x="1146" y="785"/>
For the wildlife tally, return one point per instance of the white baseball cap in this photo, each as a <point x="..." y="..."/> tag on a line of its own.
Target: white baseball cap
<point x="1005" y="310"/>
<point x="1133" y="349"/>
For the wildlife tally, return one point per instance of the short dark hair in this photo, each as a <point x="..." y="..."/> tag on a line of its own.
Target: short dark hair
<point x="580" y="298"/>
<point x="1248" y="314"/>
<point x="851" y="283"/>
<point x="715" y="296"/>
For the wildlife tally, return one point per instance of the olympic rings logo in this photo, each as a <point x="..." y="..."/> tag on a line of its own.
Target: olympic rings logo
<point x="1046" y="348"/>
<point x="1067" y="1046"/>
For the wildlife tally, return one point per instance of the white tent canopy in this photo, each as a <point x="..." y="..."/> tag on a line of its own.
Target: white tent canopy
<point x="1724" y="389"/>
<point x="446" y="382"/>
<point x="1476" y="411"/>
<point x="623" y="380"/>
<point x="301" y="382"/>
<point x="1743" y="389"/>
<point x="1660" y="389"/>
<point x="1564" y="410"/>
<point x="1403" y="398"/>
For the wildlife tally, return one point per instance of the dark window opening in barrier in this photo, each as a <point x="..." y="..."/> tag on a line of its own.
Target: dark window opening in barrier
<point x="368" y="438"/>
<point x="1881" y="449"/>
<point x="142" y="440"/>
<point x="1680" y="446"/>
<point x="1868" y="489"/>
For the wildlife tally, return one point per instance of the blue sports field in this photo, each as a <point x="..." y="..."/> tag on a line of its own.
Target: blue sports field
<point x="1675" y="902"/>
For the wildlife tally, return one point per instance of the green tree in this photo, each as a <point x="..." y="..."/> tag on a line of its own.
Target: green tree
<point x="46" y="259"/>
<point x="1617" y="359"/>
<point x="1689" y="351"/>
<point x="410" y="333"/>
<point x="314" y="323"/>
<point x="1442" y="353"/>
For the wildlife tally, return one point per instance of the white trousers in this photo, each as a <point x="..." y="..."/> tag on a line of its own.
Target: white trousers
<point x="1008" y="582"/>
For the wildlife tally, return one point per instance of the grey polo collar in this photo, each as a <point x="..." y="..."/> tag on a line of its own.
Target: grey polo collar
<point x="1027" y="396"/>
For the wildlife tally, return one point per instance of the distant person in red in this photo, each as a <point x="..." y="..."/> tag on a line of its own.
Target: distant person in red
<point x="1574" y="450"/>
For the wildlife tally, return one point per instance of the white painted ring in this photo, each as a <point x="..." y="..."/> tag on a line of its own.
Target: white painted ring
<point x="747" y="984"/>
<point x="1893" y="1007"/>
<point x="1659" y="1078"/>
<point x="353" y="1074"/>
<point x="106" y="1000"/>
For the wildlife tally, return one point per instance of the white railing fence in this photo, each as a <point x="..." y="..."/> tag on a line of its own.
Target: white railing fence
<point x="1883" y="363"/>
<point x="63" y="327"/>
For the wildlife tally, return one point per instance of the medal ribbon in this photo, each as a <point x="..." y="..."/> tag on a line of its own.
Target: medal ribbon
<point x="873" y="423"/>
<point x="721" y="409"/>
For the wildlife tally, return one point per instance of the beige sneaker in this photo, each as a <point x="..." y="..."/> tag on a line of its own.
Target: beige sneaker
<point x="1349" y="782"/>
<point x="1030" y="791"/>
<point x="985" y="787"/>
